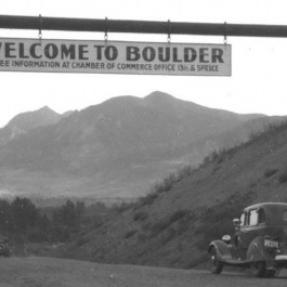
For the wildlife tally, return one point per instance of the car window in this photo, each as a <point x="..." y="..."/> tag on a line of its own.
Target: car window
<point x="253" y="217"/>
<point x="261" y="216"/>
<point x="242" y="219"/>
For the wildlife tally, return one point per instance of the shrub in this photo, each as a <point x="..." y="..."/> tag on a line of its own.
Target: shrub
<point x="184" y="172"/>
<point x="81" y="241"/>
<point x="158" y="227"/>
<point x="169" y="181"/>
<point x="178" y="215"/>
<point x="164" y="186"/>
<point x="149" y="199"/>
<point x="142" y="237"/>
<point x="169" y="234"/>
<point x="163" y="224"/>
<point x="140" y="216"/>
<point x="270" y="172"/>
<point x="283" y="177"/>
<point x="122" y="207"/>
<point x="130" y="233"/>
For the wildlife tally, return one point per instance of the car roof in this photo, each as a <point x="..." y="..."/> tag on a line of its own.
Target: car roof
<point x="266" y="204"/>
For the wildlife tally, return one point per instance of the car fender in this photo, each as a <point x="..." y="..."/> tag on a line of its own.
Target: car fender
<point x="222" y="250"/>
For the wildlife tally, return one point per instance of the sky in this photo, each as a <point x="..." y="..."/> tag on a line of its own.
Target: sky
<point x="257" y="85"/>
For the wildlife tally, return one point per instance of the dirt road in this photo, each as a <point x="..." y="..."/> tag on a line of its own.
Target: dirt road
<point x="50" y="272"/>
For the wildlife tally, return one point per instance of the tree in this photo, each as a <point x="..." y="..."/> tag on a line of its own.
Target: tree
<point x="67" y="219"/>
<point x="5" y="217"/>
<point x="24" y="215"/>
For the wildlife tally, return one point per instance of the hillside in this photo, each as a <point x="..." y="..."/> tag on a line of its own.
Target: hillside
<point x="24" y="122"/>
<point x="116" y="149"/>
<point x="173" y="225"/>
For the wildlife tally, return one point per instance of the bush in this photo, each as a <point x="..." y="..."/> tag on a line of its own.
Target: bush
<point x="149" y="199"/>
<point x="178" y="215"/>
<point x="122" y="207"/>
<point x="130" y="233"/>
<point x="270" y="172"/>
<point x="168" y="235"/>
<point x="165" y="185"/>
<point x="158" y="227"/>
<point x="81" y="241"/>
<point x="283" y="177"/>
<point x="140" y="216"/>
<point x="163" y="224"/>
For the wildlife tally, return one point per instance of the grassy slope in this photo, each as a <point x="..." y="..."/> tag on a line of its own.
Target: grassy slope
<point x="174" y="226"/>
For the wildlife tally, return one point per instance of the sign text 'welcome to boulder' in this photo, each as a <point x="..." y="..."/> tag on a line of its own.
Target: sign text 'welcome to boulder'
<point x="114" y="57"/>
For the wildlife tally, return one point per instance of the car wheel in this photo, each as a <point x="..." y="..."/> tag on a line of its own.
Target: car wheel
<point x="215" y="265"/>
<point x="7" y="253"/>
<point x="258" y="269"/>
<point x="272" y="273"/>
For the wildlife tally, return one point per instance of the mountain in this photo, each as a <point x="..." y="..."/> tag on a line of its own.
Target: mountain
<point x="25" y="122"/>
<point x="116" y="149"/>
<point x="173" y="225"/>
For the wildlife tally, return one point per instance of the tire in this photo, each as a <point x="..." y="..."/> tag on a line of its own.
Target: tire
<point x="258" y="269"/>
<point x="215" y="266"/>
<point x="272" y="273"/>
<point x="7" y="253"/>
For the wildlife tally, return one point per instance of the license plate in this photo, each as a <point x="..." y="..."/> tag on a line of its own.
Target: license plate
<point x="271" y="243"/>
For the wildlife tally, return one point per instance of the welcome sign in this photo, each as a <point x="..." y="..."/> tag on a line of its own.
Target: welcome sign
<point x="114" y="57"/>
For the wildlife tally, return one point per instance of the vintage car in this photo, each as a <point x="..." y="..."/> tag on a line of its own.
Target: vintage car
<point x="259" y="241"/>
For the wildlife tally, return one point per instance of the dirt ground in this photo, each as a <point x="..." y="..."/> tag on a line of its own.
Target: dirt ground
<point x="48" y="272"/>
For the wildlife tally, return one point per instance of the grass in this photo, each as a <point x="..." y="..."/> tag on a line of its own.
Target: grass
<point x="283" y="177"/>
<point x="270" y="172"/>
<point x="140" y="216"/>
<point x="130" y="233"/>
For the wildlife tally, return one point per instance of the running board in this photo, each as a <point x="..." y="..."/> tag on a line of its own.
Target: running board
<point x="234" y="262"/>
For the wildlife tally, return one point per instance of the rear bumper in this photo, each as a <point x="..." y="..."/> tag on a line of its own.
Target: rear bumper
<point x="281" y="260"/>
<point x="281" y="257"/>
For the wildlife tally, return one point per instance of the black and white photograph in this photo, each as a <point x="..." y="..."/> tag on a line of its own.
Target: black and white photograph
<point x="143" y="143"/>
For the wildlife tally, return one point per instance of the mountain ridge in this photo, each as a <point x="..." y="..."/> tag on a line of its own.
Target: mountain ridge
<point x="117" y="148"/>
<point x="24" y="122"/>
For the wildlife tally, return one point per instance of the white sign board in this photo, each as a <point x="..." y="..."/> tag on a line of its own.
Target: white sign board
<point x="115" y="57"/>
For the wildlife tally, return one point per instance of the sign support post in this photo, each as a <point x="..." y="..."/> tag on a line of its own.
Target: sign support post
<point x="134" y="26"/>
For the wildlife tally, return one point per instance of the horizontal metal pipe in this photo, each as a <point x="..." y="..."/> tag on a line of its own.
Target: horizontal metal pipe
<point x="133" y="26"/>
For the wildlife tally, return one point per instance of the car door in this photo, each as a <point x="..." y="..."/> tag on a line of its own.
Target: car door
<point x="253" y="226"/>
